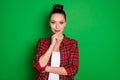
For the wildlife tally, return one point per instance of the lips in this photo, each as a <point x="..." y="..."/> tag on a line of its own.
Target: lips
<point x="57" y="30"/>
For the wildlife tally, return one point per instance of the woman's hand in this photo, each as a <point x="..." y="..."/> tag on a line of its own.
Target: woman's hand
<point x="56" y="39"/>
<point x="57" y="70"/>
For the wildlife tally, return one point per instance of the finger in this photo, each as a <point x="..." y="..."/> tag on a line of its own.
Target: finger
<point x="55" y="35"/>
<point x="58" y="33"/>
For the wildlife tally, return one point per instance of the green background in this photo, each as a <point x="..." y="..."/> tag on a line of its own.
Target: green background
<point x="95" y="24"/>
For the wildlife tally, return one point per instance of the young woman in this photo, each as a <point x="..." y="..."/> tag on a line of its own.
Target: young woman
<point x="56" y="56"/>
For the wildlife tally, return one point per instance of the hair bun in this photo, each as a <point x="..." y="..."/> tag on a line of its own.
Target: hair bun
<point x="58" y="7"/>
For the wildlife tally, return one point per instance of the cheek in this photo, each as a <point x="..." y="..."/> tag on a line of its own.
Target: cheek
<point x="63" y="26"/>
<point x="52" y="26"/>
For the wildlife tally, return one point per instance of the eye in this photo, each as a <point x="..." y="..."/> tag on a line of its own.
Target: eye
<point x="53" y="22"/>
<point x="61" y="22"/>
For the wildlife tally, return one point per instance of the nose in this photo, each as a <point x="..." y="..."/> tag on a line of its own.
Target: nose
<point x="57" y="26"/>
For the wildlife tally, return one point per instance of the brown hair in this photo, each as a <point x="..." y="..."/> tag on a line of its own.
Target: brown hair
<point x="57" y="8"/>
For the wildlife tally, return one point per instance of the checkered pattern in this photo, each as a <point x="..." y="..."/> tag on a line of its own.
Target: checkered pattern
<point x="68" y="56"/>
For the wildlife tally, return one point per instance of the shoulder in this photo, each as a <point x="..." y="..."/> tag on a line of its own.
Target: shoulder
<point x="73" y="40"/>
<point x="70" y="40"/>
<point x="44" y="40"/>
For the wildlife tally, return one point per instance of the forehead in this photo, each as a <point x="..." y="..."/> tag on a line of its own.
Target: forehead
<point x="57" y="16"/>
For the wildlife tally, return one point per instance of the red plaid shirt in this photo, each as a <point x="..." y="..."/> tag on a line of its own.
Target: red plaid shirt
<point x="68" y="57"/>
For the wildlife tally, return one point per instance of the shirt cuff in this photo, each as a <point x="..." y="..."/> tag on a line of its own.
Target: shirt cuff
<point x="39" y="68"/>
<point x="67" y="70"/>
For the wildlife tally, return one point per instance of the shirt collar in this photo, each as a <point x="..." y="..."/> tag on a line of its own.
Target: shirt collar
<point x="64" y="39"/>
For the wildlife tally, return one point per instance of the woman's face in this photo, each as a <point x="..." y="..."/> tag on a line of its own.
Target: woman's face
<point x="57" y="22"/>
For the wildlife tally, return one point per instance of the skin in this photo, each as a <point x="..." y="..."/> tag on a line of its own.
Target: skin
<point x="57" y="23"/>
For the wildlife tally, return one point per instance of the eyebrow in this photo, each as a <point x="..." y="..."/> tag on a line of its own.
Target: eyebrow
<point x="56" y="21"/>
<point x="52" y="20"/>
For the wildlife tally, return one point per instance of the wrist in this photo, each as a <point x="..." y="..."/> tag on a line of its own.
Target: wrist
<point x="47" y="69"/>
<point x="52" y="45"/>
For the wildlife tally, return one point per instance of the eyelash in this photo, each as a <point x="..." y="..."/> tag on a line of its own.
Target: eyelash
<point x="54" y="22"/>
<point x="61" y="22"/>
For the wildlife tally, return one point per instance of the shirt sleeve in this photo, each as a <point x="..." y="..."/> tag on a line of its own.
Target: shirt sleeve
<point x="40" y="49"/>
<point x="72" y="67"/>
